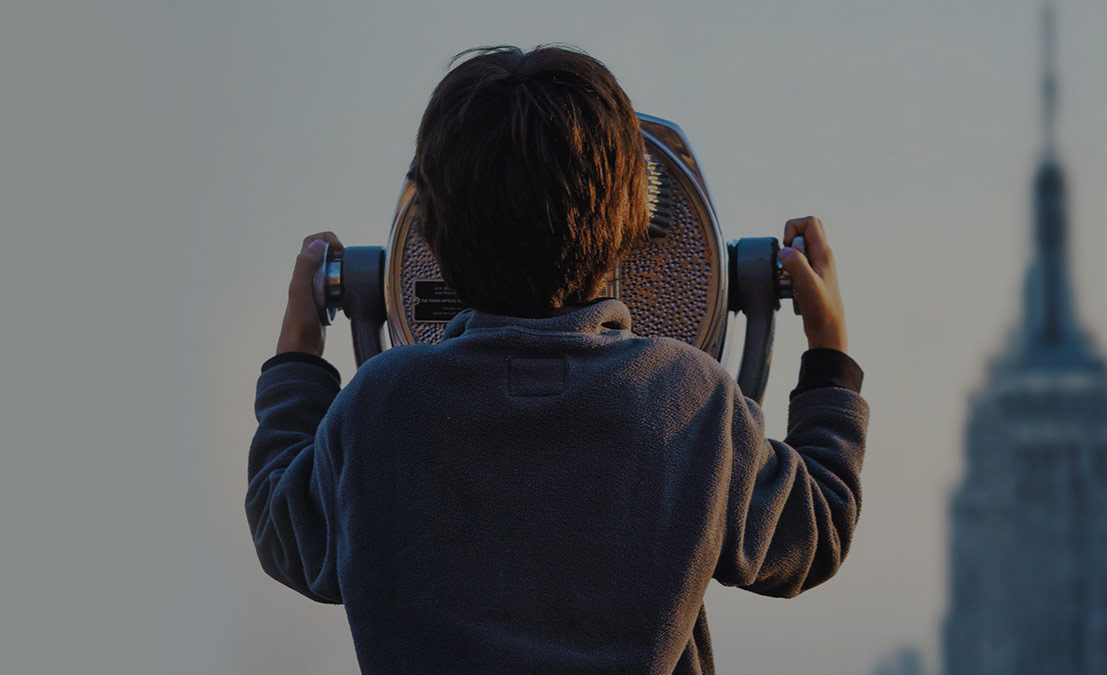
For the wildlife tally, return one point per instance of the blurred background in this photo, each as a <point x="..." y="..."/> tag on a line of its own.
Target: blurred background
<point x="162" y="161"/>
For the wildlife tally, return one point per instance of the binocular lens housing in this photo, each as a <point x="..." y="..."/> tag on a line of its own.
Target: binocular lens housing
<point x="684" y="283"/>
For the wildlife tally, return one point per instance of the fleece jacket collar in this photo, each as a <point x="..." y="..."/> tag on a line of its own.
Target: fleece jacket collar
<point x="594" y="317"/>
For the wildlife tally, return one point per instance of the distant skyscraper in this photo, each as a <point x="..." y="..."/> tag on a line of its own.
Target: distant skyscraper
<point x="1028" y="589"/>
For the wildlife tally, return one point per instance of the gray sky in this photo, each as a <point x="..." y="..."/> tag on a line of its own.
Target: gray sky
<point x="162" y="162"/>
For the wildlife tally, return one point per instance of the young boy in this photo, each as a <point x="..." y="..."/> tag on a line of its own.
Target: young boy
<point x="545" y="491"/>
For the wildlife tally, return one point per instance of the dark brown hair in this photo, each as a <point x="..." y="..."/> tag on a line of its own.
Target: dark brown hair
<point x="530" y="178"/>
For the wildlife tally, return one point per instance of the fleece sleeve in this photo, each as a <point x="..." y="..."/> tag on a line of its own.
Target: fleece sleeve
<point x="793" y="504"/>
<point x="290" y="496"/>
<point x="824" y="367"/>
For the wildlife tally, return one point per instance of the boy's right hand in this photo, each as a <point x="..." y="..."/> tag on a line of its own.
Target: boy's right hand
<point x="816" y="284"/>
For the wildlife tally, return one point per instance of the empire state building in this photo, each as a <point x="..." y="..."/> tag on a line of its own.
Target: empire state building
<point x="1028" y="548"/>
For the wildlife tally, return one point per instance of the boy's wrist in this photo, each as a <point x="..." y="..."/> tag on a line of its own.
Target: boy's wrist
<point x="831" y="337"/>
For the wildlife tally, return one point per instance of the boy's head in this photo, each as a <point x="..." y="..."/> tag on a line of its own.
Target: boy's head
<point x="530" y="178"/>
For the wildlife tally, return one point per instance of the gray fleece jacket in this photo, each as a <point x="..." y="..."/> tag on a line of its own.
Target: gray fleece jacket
<point x="546" y="494"/>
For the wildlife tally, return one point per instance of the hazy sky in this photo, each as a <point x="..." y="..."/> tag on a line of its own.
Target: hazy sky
<point x="161" y="163"/>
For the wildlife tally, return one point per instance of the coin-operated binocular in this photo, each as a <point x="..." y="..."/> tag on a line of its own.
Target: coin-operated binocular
<point x="683" y="284"/>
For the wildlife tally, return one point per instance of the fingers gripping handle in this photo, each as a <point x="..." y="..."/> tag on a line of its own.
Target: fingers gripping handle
<point x="784" y="286"/>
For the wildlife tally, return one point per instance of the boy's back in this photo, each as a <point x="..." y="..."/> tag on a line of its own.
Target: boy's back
<point x="545" y="494"/>
<point x="544" y="490"/>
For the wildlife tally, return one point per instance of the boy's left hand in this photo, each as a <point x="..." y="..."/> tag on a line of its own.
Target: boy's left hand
<point x="301" y="330"/>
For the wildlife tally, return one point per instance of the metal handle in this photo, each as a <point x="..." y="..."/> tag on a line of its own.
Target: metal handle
<point x="752" y="271"/>
<point x="327" y="285"/>
<point x="757" y="283"/>
<point x="354" y="283"/>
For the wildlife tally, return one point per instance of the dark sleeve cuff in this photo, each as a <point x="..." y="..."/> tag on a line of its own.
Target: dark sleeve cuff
<point x="825" y="367"/>
<point x="302" y="357"/>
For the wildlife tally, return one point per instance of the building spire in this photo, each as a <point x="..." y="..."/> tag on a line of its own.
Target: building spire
<point x="1050" y="325"/>
<point x="1051" y="336"/>
<point x="1049" y="77"/>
